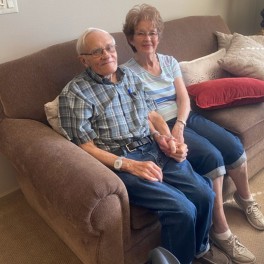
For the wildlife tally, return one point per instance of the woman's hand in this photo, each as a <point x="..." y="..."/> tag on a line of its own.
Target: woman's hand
<point x="166" y="143"/>
<point x="181" y="153"/>
<point x="172" y="148"/>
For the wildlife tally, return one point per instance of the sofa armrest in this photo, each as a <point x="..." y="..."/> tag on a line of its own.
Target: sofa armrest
<point x="85" y="193"/>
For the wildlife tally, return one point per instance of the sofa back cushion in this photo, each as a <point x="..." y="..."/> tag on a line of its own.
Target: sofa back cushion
<point x="191" y="37"/>
<point x="26" y="84"/>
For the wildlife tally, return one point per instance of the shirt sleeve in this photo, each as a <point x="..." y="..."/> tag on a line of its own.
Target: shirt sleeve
<point x="75" y="113"/>
<point x="176" y="70"/>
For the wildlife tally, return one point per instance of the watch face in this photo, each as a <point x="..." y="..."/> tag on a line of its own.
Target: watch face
<point x="118" y="163"/>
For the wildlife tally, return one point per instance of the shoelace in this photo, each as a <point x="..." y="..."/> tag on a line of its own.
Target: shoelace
<point x="237" y="245"/>
<point x="255" y="209"/>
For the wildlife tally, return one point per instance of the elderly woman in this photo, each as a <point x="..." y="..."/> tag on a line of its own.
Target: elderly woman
<point x="213" y="151"/>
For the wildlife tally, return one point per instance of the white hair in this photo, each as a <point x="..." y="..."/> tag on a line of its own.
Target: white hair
<point x="81" y="40"/>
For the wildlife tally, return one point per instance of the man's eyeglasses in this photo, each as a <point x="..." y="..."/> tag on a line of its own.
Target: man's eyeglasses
<point x="151" y="34"/>
<point x="96" y="53"/>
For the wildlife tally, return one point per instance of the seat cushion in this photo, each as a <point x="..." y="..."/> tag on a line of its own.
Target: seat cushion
<point x="246" y="121"/>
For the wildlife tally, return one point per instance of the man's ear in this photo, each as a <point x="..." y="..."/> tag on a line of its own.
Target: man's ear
<point x="83" y="61"/>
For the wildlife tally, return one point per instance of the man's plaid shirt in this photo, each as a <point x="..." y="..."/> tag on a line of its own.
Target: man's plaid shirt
<point x="112" y="115"/>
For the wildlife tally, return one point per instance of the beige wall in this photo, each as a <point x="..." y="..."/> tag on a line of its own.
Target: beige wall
<point x="42" y="23"/>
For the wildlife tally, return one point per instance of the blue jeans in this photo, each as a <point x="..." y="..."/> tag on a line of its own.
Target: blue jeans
<point x="183" y="202"/>
<point x="212" y="149"/>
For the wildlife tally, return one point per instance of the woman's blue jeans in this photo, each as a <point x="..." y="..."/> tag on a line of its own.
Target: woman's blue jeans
<point x="212" y="149"/>
<point x="183" y="202"/>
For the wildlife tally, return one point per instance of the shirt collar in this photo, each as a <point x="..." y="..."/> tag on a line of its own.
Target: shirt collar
<point x="102" y="80"/>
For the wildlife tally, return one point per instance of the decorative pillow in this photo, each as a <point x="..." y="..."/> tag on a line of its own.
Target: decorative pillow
<point x="51" y="110"/>
<point x="203" y="69"/>
<point x="244" y="58"/>
<point x="227" y="92"/>
<point x="224" y="40"/>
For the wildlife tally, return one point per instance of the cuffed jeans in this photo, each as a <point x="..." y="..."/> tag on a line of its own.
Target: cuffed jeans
<point x="212" y="149"/>
<point x="183" y="202"/>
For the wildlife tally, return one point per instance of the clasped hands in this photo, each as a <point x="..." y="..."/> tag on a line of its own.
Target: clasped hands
<point x="172" y="148"/>
<point x="148" y="170"/>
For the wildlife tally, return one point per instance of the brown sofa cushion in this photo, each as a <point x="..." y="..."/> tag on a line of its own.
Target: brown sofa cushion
<point x="246" y="121"/>
<point x="141" y="217"/>
<point x="31" y="81"/>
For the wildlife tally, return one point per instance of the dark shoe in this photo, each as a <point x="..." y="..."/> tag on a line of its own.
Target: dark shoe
<point x="161" y="255"/>
<point x="214" y="256"/>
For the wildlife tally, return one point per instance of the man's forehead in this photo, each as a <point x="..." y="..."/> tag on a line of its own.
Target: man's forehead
<point x="98" y="38"/>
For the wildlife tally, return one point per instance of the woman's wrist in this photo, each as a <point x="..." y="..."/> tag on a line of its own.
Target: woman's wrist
<point x="182" y="122"/>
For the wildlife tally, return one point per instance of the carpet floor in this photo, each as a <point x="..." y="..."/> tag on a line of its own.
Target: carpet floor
<point x="26" y="239"/>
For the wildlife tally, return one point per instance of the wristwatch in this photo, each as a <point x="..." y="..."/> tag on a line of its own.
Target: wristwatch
<point x="118" y="163"/>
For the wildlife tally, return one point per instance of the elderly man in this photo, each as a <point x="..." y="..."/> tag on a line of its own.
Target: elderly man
<point x="106" y="112"/>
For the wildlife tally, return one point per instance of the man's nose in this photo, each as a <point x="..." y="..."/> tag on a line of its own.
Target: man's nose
<point x="105" y="53"/>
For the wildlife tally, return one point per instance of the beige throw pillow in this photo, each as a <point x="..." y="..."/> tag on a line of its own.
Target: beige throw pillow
<point x="203" y="69"/>
<point x="51" y="110"/>
<point x="224" y="40"/>
<point x="244" y="58"/>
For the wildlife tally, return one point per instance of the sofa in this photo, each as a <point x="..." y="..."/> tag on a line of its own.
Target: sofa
<point x="83" y="201"/>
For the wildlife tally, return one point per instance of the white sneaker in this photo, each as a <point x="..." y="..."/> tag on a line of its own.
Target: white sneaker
<point x="237" y="252"/>
<point x="252" y="211"/>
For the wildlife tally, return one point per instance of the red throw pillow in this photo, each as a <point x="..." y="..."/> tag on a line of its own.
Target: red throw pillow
<point x="226" y="92"/>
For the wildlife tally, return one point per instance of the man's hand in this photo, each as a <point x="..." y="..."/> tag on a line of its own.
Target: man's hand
<point x="147" y="170"/>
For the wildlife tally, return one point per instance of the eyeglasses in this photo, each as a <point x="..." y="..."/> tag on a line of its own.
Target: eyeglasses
<point x="151" y="34"/>
<point x="96" y="53"/>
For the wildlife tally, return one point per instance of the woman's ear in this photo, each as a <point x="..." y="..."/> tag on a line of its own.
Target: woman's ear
<point x="131" y="41"/>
